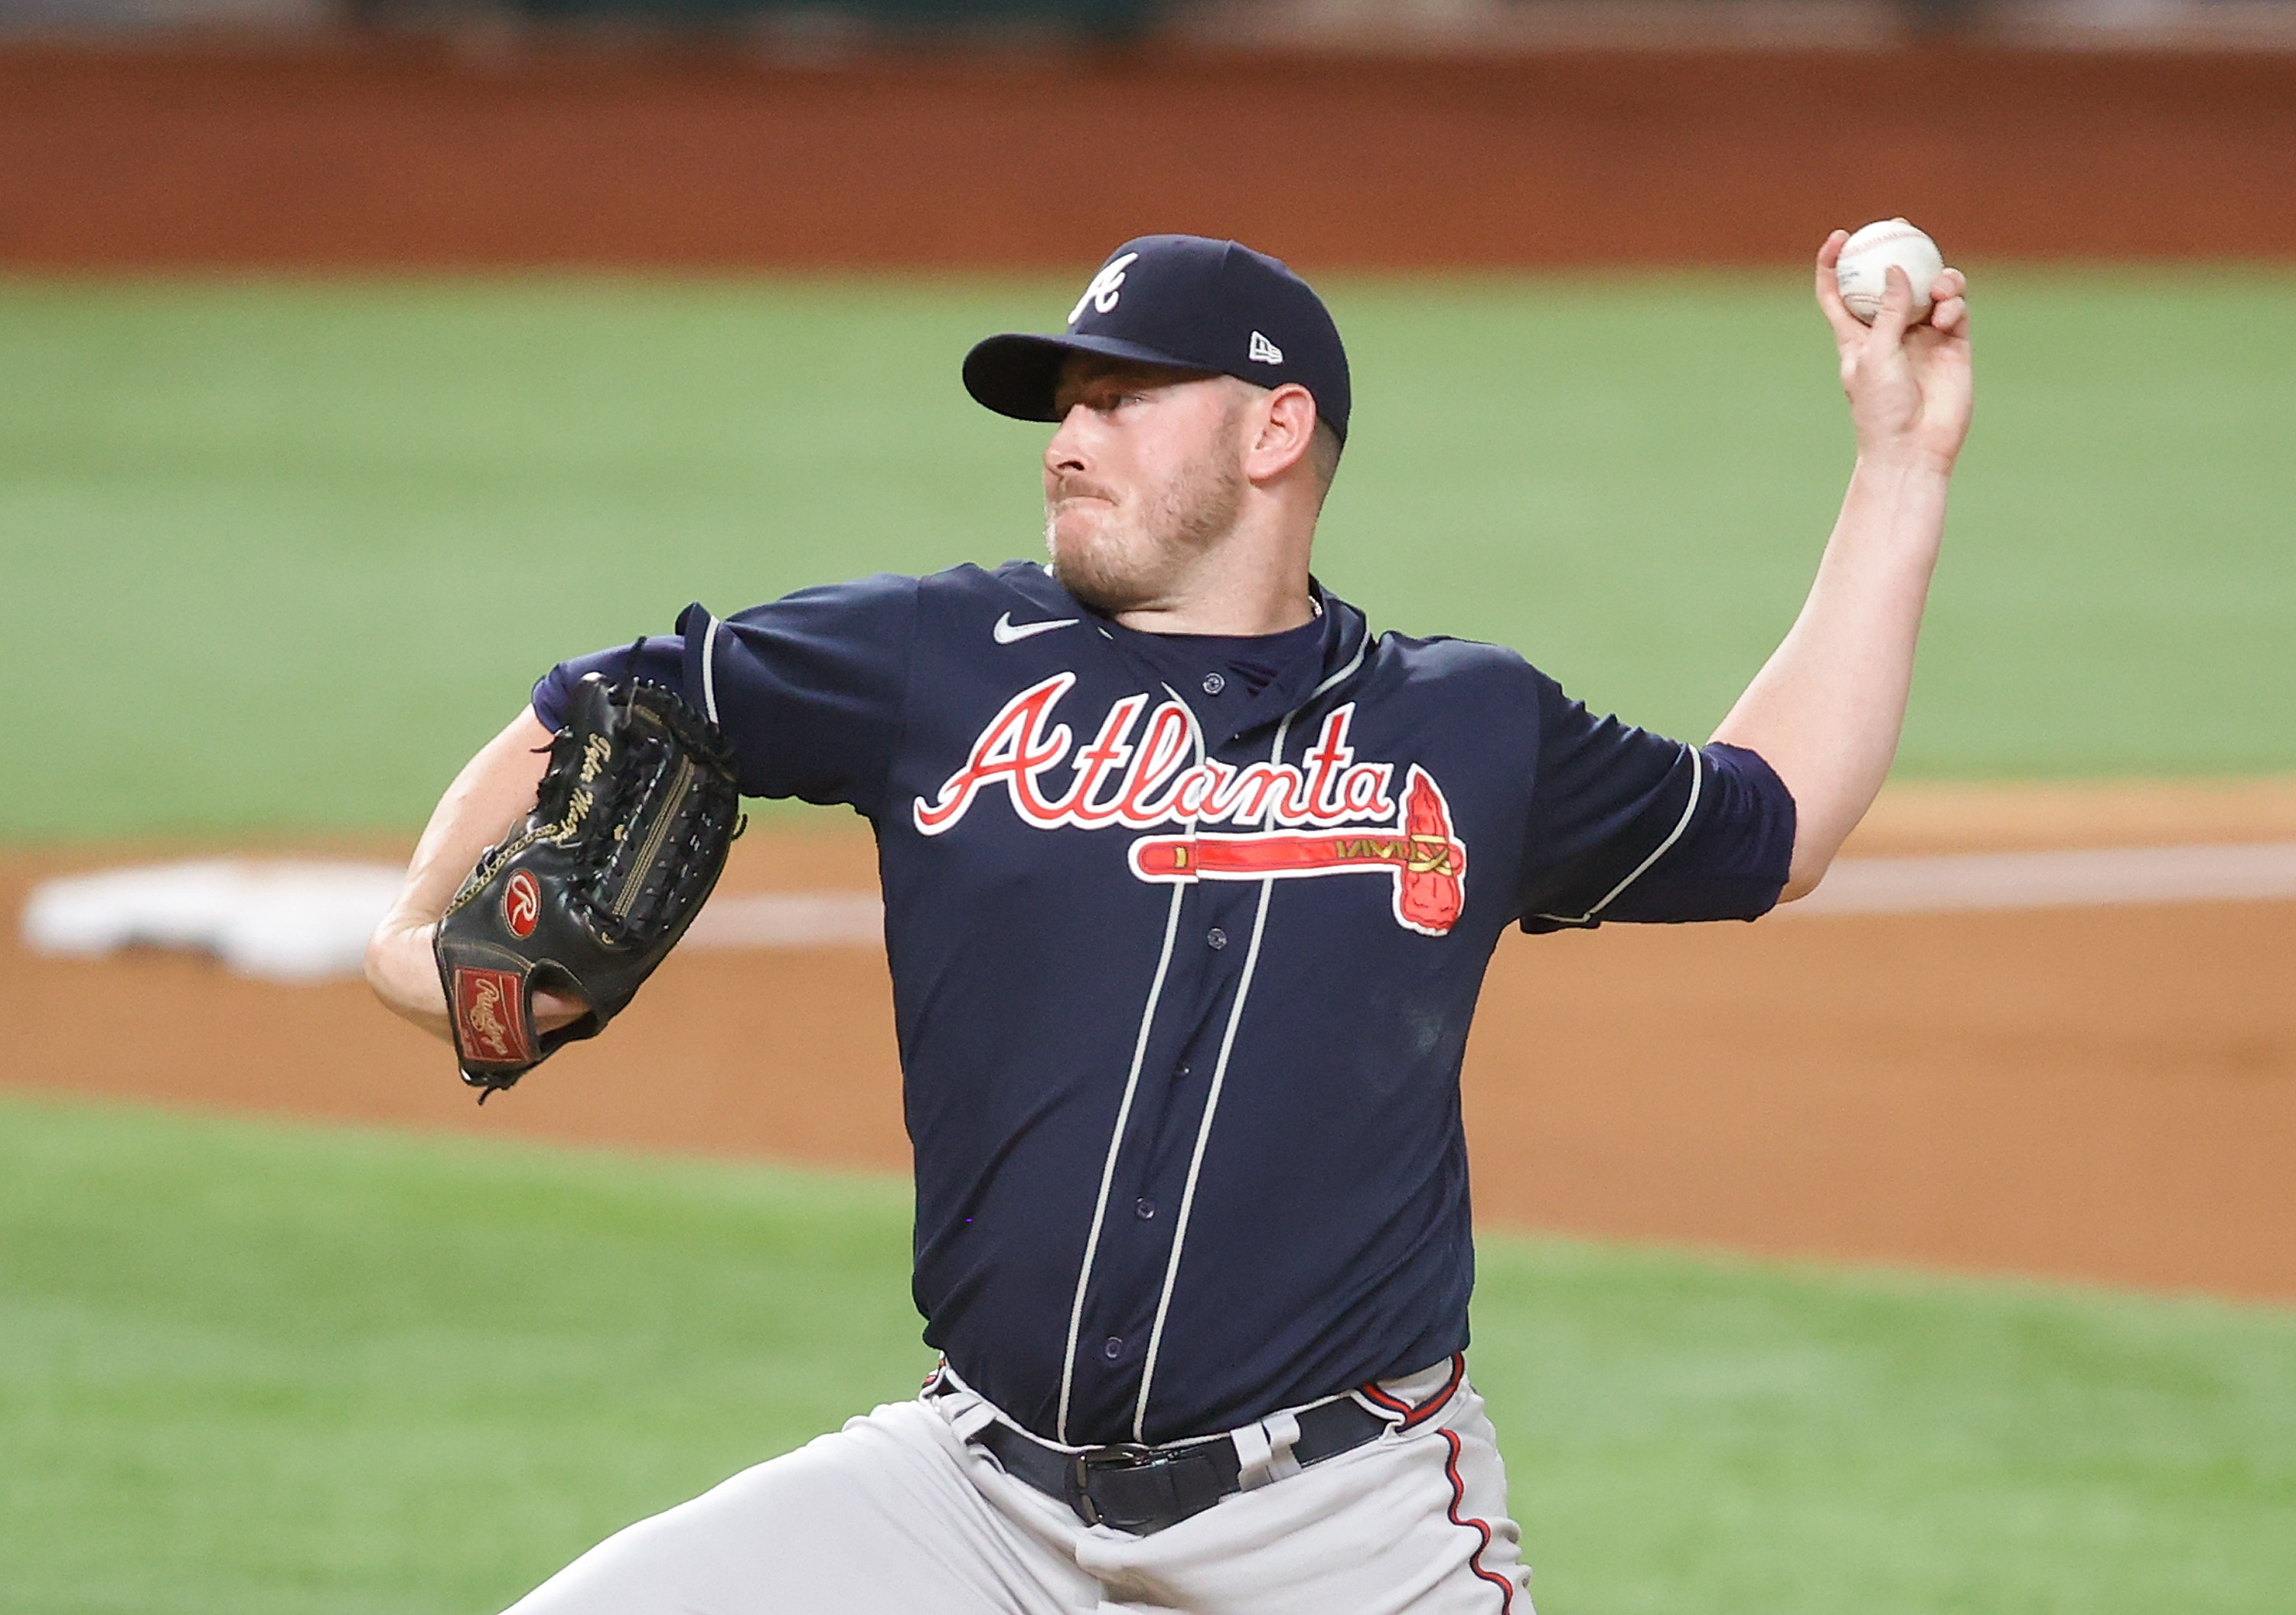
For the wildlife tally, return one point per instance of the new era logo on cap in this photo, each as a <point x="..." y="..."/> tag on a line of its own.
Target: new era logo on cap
<point x="1184" y="301"/>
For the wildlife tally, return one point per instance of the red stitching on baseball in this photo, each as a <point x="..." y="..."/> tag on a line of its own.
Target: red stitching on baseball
<point x="1458" y="1496"/>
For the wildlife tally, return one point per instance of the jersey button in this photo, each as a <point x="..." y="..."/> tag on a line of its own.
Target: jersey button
<point x="1112" y="1348"/>
<point x="1214" y="684"/>
<point x="1144" y="1208"/>
<point x="1216" y="938"/>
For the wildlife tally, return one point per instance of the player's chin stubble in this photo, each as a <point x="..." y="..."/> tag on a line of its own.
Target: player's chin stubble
<point x="1141" y="547"/>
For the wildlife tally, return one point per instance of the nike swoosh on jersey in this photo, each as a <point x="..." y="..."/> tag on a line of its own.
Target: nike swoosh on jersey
<point x="1006" y="632"/>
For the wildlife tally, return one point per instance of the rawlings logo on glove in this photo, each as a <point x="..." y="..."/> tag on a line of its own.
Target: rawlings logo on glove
<point x="628" y="834"/>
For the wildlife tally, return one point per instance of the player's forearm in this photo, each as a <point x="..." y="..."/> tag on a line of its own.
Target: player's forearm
<point x="1826" y="711"/>
<point x="489" y="795"/>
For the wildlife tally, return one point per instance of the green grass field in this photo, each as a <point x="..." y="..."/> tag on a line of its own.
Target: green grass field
<point x="279" y="555"/>
<point x="252" y="1367"/>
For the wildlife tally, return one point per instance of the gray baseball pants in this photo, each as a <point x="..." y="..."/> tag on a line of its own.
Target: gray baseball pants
<point x="898" y="1511"/>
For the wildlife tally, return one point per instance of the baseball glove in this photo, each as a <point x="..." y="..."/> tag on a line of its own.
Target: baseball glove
<point x="630" y="832"/>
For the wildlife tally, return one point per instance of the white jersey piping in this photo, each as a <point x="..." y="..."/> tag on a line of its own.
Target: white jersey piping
<point x="1108" y="1168"/>
<point x="1697" y="779"/>
<point x="710" y="670"/>
<point x="1220" y="1074"/>
<point x="1116" y="1137"/>
<point x="1196" y="1161"/>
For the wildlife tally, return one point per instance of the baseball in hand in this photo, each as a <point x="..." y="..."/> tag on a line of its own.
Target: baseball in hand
<point x="1866" y="256"/>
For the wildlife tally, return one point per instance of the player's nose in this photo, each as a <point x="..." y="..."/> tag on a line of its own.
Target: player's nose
<point x="1066" y="453"/>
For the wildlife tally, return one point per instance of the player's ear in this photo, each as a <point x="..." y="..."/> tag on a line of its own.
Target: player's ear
<point x="1284" y="431"/>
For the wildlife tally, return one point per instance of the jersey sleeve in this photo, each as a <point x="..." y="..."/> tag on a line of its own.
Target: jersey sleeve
<point x="660" y="659"/>
<point x="808" y="689"/>
<point x="1628" y="825"/>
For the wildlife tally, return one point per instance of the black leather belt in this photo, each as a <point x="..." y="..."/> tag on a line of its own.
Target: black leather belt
<point x="1142" y="1489"/>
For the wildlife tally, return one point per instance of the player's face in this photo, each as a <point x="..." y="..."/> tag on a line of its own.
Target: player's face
<point x="1145" y="475"/>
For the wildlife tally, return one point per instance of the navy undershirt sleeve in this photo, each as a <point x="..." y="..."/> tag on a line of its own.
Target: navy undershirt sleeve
<point x="660" y="659"/>
<point x="1626" y="824"/>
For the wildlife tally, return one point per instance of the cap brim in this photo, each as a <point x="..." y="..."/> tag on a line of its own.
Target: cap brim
<point x="1017" y="375"/>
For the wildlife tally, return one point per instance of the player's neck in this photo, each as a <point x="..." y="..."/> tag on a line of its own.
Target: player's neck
<point x="1227" y="612"/>
<point x="1251" y="583"/>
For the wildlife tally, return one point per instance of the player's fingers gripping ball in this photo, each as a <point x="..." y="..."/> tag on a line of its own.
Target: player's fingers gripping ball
<point x="1868" y="257"/>
<point x="630" y="832"/>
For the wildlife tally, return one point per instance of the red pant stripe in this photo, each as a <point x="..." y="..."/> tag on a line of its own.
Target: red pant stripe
<point x="1469" y="1523"/>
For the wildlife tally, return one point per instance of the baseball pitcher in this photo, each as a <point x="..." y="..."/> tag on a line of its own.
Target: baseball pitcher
<point x="1190" y="877"/>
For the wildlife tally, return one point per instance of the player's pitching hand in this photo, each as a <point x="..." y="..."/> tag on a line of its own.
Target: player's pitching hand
<point x="1909" y="385"/>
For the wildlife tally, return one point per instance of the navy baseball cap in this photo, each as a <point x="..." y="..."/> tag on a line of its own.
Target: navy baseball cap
<point x="1182" y="301"/>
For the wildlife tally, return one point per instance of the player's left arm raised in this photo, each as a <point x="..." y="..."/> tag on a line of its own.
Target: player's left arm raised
<point x="1826" y="708"/>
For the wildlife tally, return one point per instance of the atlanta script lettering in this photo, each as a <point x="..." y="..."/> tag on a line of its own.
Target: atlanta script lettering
<point x="1144" y="770"/>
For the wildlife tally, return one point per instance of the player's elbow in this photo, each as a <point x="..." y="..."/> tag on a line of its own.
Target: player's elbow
<point x="1808" y="868"/>
<point x="1797" y="887"/>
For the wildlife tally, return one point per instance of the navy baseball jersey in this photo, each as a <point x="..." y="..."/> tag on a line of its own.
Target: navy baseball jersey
<point x="1186" y="935"/>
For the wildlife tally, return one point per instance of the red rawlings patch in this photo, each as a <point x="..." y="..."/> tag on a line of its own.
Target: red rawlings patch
<point x="521" y="903"/>
<point x="490" y="1018"/>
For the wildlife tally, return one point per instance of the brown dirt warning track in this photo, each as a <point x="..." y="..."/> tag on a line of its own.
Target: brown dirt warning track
<point x="370" y="155"/>
<point x="2103" y="1093"/>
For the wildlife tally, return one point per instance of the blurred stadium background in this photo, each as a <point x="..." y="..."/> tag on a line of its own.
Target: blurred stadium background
<point x="813" y="28"/>
<point x="361" y="359"/>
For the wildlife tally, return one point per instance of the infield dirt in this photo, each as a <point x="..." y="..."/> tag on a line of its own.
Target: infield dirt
<point x="2106" y="1094"/>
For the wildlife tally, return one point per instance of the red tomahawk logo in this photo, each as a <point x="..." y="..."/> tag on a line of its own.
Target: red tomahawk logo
<point x="1428" y="862"/>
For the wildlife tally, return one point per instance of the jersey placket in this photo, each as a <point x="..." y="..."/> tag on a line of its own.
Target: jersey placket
<point x="1188" y="1034"/>
<point x="1103" y="1338"/>
<point x="1140" y="1231"/>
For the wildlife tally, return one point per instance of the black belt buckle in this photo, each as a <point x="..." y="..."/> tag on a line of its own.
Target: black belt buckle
<point x="1094" y="1461"/>
<point x="1142" y="1489"/>
<point x="1080" y="1488"/>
